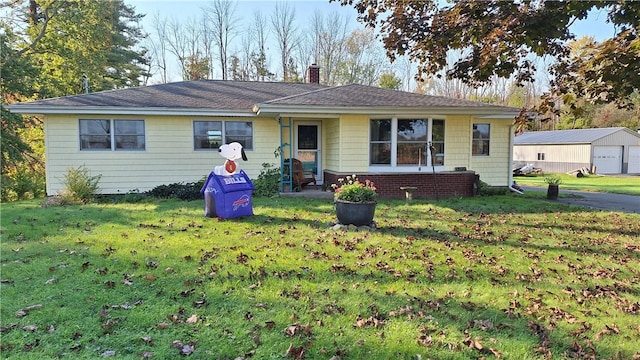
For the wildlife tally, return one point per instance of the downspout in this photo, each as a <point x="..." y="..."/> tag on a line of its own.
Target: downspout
<point x="511" y="141"/>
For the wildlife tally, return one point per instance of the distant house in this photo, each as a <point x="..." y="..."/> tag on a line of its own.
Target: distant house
<point x="139" y="138"/>
<point x="606" y="150"/>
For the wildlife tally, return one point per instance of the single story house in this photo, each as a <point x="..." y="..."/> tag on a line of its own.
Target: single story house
<point x="613" y="150"/>
<point x="142" y="137"/>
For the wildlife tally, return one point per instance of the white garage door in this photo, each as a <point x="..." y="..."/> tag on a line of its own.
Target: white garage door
<point x="634" y="160"/>
<point x="607" y="159"/>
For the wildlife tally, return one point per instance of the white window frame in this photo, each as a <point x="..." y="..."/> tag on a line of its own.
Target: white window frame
<point x="473" y="139"/>
<point x="394" y="167"/>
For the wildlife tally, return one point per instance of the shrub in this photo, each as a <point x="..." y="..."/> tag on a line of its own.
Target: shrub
<point x="182" y="191"/>
<point x="80" y="186"/>
<point x="486" y="190"/>
<point x="22" y="183"/>
<point x="268" y="182"/>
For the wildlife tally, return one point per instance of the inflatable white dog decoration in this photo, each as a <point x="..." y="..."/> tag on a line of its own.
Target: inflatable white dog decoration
<point x="232" y="152"/>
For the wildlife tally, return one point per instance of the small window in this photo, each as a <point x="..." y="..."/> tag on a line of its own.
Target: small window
<point x="380" y="152"/>
<point x="541" y="156"/>
<point x="239" y="131"/>
<point x="209" y="135"/>
<point x="109" y="135"/>
<point x="95" y="134"/>
<point x="481" y="139"/>
<point x="129" y="134"/>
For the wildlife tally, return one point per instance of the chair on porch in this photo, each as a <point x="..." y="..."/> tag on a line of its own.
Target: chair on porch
<point x="302" y="177"/>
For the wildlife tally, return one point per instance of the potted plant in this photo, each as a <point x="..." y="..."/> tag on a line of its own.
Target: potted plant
<point x="553" y="182"/>
<point x="355" y="201"/>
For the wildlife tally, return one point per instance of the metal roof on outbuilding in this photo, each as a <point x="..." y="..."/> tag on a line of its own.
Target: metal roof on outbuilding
<point x="574" y="136"/>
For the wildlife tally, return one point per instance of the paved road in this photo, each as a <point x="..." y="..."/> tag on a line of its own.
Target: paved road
<point x="601" y="201"/>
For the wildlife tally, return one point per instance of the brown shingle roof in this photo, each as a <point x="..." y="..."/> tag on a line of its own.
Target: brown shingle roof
<point x="246" y="97"/>
<point x="369" y="96"/>
<point x="205" y="94"/>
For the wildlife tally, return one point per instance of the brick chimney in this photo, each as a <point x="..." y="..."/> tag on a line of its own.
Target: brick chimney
<point x="313" y="74"/>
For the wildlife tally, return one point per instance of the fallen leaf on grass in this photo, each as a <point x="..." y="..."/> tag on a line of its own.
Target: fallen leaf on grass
<point x="109" y="353"/>
<point x="185" y="349"/>
<point x="192" y="319"/>
<point x="608" y="330"/>
<point x="476" y="345"/>
<point x="297" y="353"/>
<point x="370" y="321"/>
<point x="25" y="311"/>
<point x="297" y="329"/>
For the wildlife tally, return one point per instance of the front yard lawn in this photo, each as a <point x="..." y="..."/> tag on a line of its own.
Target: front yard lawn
<point x="494" y="277"/>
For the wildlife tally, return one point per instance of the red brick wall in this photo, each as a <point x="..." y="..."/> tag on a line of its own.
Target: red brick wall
<point x="449" y="183"/>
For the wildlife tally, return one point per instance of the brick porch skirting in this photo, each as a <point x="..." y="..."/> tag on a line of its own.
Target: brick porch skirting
<point x="446" y="183"/>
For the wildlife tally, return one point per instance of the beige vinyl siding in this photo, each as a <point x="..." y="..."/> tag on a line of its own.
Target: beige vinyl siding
<point x="169" y="156"/>
<point x="494" y="169"/>
<point x="354" y="144"/>
<point x="331" y="148"/>
<point x="457" y="142"/>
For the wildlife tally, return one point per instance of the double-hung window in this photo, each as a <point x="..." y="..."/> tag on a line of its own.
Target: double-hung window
<point x="481" y="140"/>
<point x="401" y="143"/>
<point x="209" y="135"/>
<point x="112" y="135"/>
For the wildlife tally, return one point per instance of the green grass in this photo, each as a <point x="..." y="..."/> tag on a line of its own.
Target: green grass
<point x="519" y="277"/>
<point x="629" y="185"/>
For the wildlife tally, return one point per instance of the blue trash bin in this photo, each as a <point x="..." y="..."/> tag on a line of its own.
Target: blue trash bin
<point x="229" y="196"/>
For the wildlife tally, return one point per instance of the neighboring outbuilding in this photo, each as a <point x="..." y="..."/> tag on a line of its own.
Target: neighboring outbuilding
<point x="613" y="150"/>
<point x="139" y="138"/>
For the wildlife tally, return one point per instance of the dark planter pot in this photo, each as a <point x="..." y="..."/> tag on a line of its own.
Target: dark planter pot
<point x="552" y="192"/>
<point x="353" y="213"/>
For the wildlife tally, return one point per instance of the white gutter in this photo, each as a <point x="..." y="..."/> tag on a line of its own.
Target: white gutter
<point x="118" y="110"/>
<point x="489" y="112"/>
<point x="511" y="141"/>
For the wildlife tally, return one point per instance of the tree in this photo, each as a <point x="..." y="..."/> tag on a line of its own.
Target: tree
<point x="390" y="81"/>
<point x="17" y="78"/>
<point x="69" y="39"/>
<point x="158" y="48"/>
<point x="286" y="33"/>
<point x="46" y="48"/>
<point x="499" y="37"/>
<point x="330" y="34"/>
<point x="197" y="67"/>
<point x="363" y="61"/>
<point x="221" y="14"/>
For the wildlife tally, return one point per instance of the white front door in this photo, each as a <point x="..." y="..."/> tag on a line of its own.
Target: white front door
<point x="308" y="147"/>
